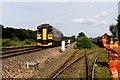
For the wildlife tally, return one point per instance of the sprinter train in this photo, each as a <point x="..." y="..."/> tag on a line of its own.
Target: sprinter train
<point x="48" y="35"/>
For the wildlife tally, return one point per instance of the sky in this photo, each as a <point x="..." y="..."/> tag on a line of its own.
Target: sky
<point x="71" y="17"/>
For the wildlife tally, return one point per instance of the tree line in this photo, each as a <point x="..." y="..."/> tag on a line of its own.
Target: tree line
<point x="17" y="37"/>
<point x="17" y="34"/>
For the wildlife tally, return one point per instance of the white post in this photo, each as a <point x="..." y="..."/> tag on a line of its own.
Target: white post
<point x="63" y="46"/>
<point x="27" y="65"/>
<point x="68" y="43"/>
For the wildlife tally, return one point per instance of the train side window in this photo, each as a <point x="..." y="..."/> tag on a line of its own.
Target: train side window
<point x="57" y="32"/>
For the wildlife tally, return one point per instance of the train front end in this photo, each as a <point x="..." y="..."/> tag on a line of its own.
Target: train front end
<point x="44" y="35"/>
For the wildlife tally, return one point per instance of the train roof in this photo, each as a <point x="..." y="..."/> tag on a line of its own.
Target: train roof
<point x="44" y="25"/>
<point x="48" y="25"/>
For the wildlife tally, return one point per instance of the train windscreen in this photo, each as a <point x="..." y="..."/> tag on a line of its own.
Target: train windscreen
<point x="39" y="30"/>
<point x="49" y="30"/>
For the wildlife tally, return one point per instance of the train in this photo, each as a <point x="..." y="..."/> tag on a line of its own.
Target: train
<point x="97" y="41"/>
<point x="48" y="35"/>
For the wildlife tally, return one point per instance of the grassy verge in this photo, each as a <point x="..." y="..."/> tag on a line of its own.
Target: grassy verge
<point x="77" y="70"/>
<point x="101" y="68"/>
<point x="17" y="43"/>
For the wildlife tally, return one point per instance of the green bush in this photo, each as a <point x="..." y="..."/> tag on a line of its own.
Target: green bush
<point x="0" y="42"/>
<point x="15" y="39"/>
<point x="27" y="41"/>
<point x="16" y="42"/>
<point x="83" y="42"/>
<point x="13" y="43"/>
<point x="8" y="42"/>
<point x="5" y="42"/>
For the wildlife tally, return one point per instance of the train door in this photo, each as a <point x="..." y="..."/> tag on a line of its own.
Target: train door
<point x="44" y="34"/>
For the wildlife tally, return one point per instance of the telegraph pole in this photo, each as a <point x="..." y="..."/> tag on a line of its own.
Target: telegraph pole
<point x="117" y="31"/>
<point x="118" y="24"/>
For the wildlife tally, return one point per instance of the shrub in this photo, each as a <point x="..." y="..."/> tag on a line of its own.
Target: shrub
<point x="13" y="43"/>
<point x="16" y="42"/>
<point x="83" y="42"/>
<point x="28" y="41"/>
<point x="5" y="42"/>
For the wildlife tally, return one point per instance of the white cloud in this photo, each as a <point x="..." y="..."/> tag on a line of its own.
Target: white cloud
<point x="91" y="5"/>
<point x="103" y="22"/>
<point x="104" y="14"/>
<point x="80" y="20"/>
<point x="98" y="19"/>
<point x="90" y="20"/>
<point x="85" y="20"/>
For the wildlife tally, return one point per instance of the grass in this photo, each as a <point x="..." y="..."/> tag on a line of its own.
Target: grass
<point x="77" y="70"/>
<point x="16" y="43"/>
<point x="101" y="68"/>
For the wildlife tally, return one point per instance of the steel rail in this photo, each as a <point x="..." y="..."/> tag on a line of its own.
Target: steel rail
<point x="14" y="53"/>
<point x="65" y="67"/>
<point x="93" y="66"/>
<point x="15" y="48"/>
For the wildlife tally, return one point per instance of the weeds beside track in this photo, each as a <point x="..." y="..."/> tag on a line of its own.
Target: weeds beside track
<point x="66" y="65"/>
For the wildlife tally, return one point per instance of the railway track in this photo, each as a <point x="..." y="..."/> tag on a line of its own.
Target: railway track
<point x="9" y="52"/>
<point x="16" y="48"/>
<point x="93" y="66"/>
<point x="68" y="63"/>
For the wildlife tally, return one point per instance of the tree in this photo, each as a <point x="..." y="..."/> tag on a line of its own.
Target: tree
<point x="81" y="34"/>
<point x="83" y="41"/>
<point x="1" y="26"/>
<point x="66" y="38"/>
<point x="112" y="29"/>
<point x="73" y="39"/>
<point x="18" y="34"/>
<point x="115" y="28"/>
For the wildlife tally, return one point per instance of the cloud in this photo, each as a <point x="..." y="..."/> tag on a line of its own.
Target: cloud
<point x="91" y="5"/>
<point x="104" y="14"/>
<point x="98" y="19"/>
<point x="90" y="20"/>
<point x="103" y="22"/>
<point x="85" y="20"/>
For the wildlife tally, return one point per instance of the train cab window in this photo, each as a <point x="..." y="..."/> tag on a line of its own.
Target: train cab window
<point x="50" y="30"/>
<point x="39" y="31"/>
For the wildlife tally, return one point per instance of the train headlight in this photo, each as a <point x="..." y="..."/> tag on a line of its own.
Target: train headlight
<point x="49" y="35"/>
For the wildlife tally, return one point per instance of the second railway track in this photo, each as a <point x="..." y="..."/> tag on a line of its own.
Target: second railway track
<point x="18" y="51"/>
